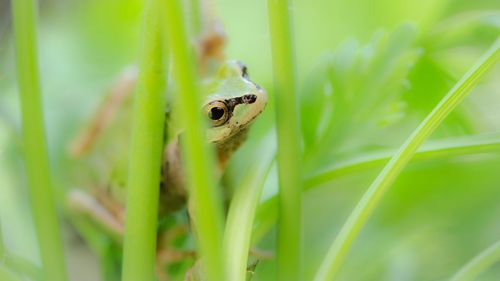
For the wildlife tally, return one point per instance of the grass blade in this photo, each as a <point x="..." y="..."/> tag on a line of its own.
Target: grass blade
<point x="34" y="142"/>
<point x="478" y="264"/>
<point x="469" y="145"/>
<point x="289" y="218"/>
<point x="442" y="148"/>
<point x="146" y="153"/>
<point x="240" y="218"/>
<point x="393" y="168"/>
<point x="204" y="203"/>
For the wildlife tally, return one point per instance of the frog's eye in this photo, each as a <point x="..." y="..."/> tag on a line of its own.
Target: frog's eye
<point x="218" y="113"/>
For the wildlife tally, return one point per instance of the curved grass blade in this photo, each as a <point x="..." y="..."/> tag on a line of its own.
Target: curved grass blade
<point x="470" y="145"/>
<point x="240" y="218"/>
<point x="367" y="204"/>
<point x="442" y="148"/>
<point x="204" y="199"/>
<point x="478" y="264"/>
<point x="289" y="220"/>
<point x="146" y="153"/>
<point x="34" y="142"/>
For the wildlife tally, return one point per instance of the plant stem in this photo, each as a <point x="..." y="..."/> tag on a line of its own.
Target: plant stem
<point x="146" y="152"/>
<point x="204" y="199"/>
<point x="34" y="142"/>
<point x="479" y="264"/>
<point x="461" y="146"/>
<point x="393" y="168"/>
<point x="240" y="218"/>
<point x="289" y="217"/>
<point x="470" y="145"/>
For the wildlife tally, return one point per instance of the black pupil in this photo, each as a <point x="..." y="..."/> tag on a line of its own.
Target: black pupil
<point x="216" y="113"/>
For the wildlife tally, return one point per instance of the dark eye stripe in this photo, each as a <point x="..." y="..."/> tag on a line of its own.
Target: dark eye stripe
<point x="245" y="99"/>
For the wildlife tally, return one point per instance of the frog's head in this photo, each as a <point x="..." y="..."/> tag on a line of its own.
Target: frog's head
<point x="233" y="102"/>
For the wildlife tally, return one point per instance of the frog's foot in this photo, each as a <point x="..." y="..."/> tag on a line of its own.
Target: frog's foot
<point x="166" y="254"/>
<point x="165" y="257"/>
<point x="110" y="105"/>
<point x="194" y="273"/>
<point x="211" y="47"/>
<point x="107" y="201"/>
<point x="261" y="254"/>
<point x="83" y="204"/>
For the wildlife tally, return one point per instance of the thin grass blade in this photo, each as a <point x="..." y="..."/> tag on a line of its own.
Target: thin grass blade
<point x="205" y="204"/>
<point x="438" y="149"/>
<point x="290" y="189"/>
<point x="470" y="145"/>
<point x="34" y="142"/>
<point x="479" y="264"/>
<point x="146" y="152"/>
<point x="240" y="218"/>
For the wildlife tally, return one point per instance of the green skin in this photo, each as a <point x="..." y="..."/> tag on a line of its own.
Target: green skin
<point x="231" y="105"/>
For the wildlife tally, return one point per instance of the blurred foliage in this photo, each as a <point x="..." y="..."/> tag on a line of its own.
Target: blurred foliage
<point x="369" y="71"/>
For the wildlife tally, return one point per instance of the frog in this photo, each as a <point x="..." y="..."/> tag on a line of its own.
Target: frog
<point x="232" y="102"/>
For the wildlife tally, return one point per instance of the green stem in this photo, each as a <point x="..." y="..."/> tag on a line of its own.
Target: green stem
<point x="393" y="168"/>
<point x="266" y="215"/>
<point x="205" y="204"/>
<point x="479" y="264"/>
<point x="443" y="148"/>
<point x="240" y="218"/>
<point x="289" y="218"/>
<point x="146" y="152"/>
<point x="34" y="142"/>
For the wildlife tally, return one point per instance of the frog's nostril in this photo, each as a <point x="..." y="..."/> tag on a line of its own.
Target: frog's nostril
<point x="249" y="98"/>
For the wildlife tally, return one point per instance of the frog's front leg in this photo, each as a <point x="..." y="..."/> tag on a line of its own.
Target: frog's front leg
<point x="83" y="204"/>
<point x="210" y="47"/>
<point x="120" y="91"/>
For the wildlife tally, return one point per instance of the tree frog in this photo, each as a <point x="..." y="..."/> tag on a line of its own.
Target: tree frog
<point x="232" y="103"/>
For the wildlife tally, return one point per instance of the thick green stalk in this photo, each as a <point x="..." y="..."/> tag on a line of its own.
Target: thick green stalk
<point x="393" y="168"/>
<point x="146" y="152"/>
<point x="479" y="264"/>
<point x="34" y="142"/>
<point x="240" y="218"/>
<point x="289" y="216"/>
<point x="204" y="203"/>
